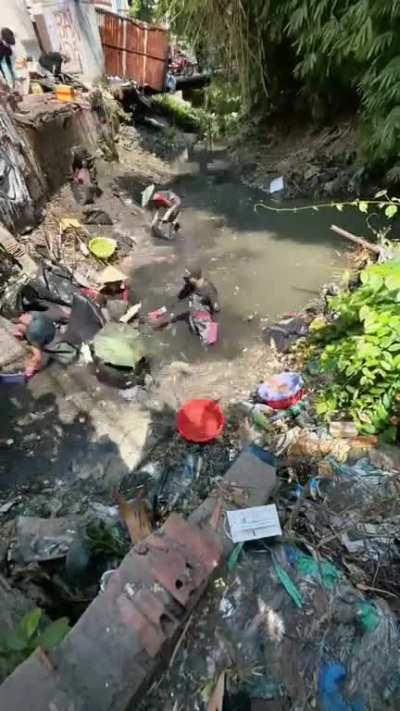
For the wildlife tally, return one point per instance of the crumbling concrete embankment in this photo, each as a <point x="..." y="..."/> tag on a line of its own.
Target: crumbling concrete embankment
<point x="35" y="153"/>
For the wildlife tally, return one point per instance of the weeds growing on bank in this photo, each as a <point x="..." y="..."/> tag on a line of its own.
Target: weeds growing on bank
<point x="218" y="117"/>
<point x="358" y="353"/>
<point x="30" y="633"/>
<point x="180" y="112"/>
<point x="321" y="55"/>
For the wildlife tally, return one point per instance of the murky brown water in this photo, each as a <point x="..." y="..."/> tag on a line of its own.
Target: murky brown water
<point x="262" y="263"/>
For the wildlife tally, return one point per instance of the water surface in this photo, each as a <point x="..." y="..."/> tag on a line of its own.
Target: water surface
<point x="263" y="263"/>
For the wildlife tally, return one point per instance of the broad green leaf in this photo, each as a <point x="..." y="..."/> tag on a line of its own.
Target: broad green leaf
<point x="16" y="642"/>
<point x="388" y="436"/>
<point x="54" y="633"/>
<point x="375" y="281"/>
<point x="30" y="622"/>
<point x="391" y="211"/>
<point x="369" y="429"/>
<point x="365" y="312"/>
<point x="321" y="408"/>
<point x="393" y="282"/>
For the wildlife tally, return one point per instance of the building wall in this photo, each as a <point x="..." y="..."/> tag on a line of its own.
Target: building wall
<point x="70" y="27"/>
<point x="119" y="6"/>
<point x="14" y="14"/>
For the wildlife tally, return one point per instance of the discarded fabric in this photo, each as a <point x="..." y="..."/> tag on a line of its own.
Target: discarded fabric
<point x="282" y="390"/>
<point x="331" y="678"/>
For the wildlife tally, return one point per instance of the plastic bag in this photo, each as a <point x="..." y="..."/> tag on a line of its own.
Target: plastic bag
<point x="54" y="284"/>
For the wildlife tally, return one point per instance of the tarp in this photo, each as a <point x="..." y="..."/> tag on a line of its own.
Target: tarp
<point x="15" y="199"/>
<point x="119" y="344"/>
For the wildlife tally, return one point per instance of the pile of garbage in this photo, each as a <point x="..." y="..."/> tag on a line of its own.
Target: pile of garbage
<point x="305" y="613"/>
<point x="60" y="563"/>
<point x="339" y="488"/>
<point x="352" y="516"/>
<point x="290" y="426"/>
<point x="63" y="313"/>
<point x="284" y="629"/>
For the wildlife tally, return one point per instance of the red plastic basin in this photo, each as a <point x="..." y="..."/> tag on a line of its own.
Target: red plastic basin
<point x="200" y="420"/>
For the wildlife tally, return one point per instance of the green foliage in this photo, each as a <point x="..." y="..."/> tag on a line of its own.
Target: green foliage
<point x="322" y="51"/>
<point x="105" y="541"/>
<point x="219" y="117"/>
<point x="354" y="44"/>
<point x="144" y="10"/>
<point x="360" y="351"/>
<point x="181" y="112"/>
<point x="29" y="634"/>
<point x="223" y="105"/>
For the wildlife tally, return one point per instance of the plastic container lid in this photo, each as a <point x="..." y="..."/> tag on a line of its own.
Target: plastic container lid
<point x="102" y="247"/>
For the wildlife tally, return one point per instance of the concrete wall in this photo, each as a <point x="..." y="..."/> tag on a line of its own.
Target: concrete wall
<point x="14" y="14"/>
<point x="35" y="170"/>
<point x="70" y="27"/>
<point x="119" y="6"/>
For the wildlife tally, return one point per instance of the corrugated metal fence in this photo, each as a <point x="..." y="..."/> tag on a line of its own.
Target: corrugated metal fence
<point x="134" y="50"/>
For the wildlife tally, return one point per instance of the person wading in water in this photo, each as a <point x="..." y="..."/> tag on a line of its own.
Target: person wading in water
<point x="203" y="305"/>
<point x="168" y="207"/>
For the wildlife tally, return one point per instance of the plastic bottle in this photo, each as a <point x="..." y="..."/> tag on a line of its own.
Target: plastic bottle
<point x="259" y="413"/>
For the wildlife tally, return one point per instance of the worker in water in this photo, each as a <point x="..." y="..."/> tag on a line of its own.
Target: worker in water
<point x="203" y="305"/>
<point x="52" y="62"/>
<point x="7" y="42"/>
<point x="167" y="207"/>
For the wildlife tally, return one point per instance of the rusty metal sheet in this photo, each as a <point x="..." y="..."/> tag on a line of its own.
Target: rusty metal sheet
<point x="134" y="50"/>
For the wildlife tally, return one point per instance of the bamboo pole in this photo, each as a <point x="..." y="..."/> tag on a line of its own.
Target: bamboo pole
<point x="357" y="240"/>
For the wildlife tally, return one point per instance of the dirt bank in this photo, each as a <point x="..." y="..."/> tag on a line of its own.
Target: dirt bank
<point x="314" y="162"/>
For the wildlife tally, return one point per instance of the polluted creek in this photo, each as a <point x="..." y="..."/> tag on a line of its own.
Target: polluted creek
<point x="200" y="380"/>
